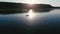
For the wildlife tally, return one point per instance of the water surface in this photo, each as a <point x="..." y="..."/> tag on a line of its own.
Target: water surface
<point x="34" y="23"/>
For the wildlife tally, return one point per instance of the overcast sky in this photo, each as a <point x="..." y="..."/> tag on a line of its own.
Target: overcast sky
<point x="52" y="2"/>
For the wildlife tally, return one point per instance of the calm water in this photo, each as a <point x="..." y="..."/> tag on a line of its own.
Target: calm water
<point x="33" y="24"/>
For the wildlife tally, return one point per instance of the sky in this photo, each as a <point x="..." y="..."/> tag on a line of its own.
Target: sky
<point x="52" y="2"/>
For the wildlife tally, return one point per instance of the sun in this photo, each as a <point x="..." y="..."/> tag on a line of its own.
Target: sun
<point x="30" y="1"/>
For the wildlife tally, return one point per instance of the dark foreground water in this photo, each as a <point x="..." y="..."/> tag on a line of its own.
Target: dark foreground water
<point x="37" y="23"/>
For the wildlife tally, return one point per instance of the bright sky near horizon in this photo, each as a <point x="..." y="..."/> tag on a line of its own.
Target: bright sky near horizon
<point x="52" y="2"/>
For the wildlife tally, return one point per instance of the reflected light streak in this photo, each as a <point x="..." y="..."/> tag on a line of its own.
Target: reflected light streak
<point x="31" y="14"/>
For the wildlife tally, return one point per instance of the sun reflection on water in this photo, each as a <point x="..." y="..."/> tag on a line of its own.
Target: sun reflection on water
<point x="31" y="14"/>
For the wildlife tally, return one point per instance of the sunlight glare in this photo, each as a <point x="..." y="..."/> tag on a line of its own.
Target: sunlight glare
<point x="31" y="1"/>
<point x="30" y="13"/>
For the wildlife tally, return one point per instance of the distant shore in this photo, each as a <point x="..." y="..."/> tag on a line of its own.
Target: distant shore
<point x="9" y="7"/>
